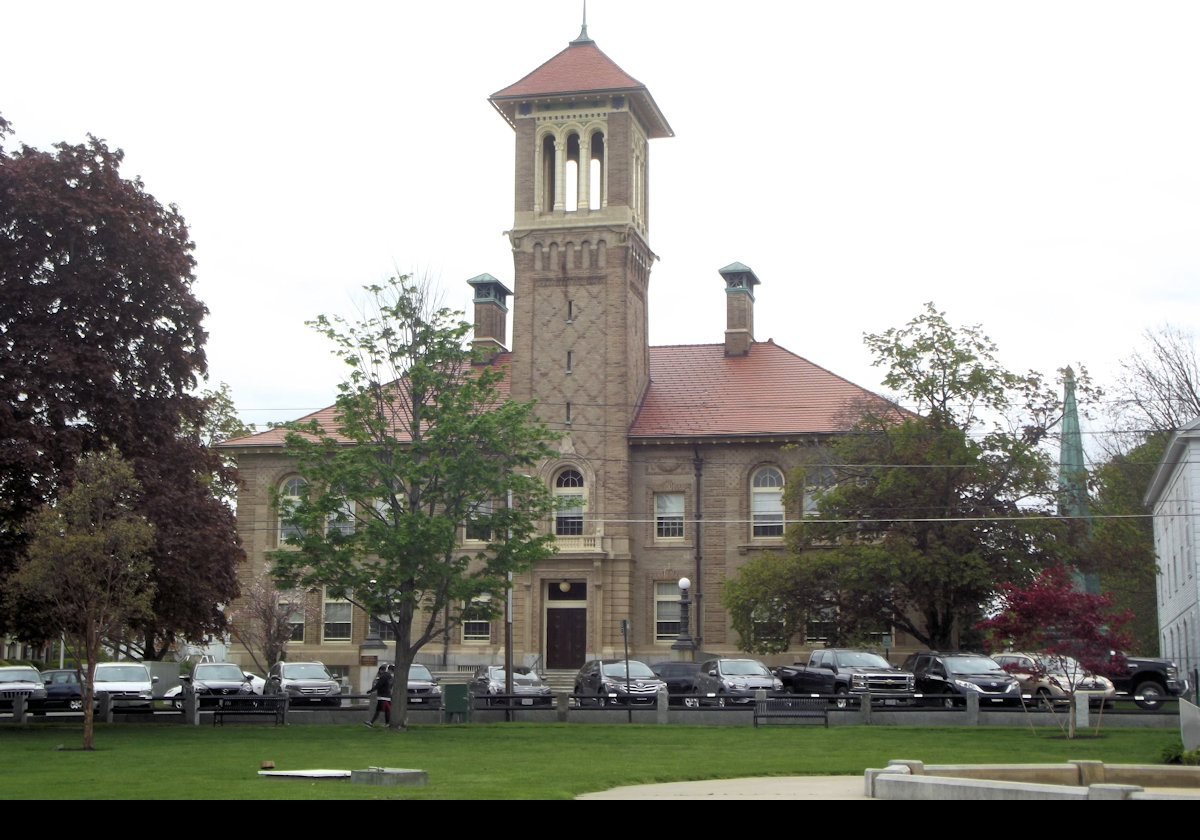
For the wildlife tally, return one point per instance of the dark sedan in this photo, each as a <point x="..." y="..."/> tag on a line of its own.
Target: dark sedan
<point x="680" y="678"/>
<point x="488" y="687"/>
<point x="63" y="690"/>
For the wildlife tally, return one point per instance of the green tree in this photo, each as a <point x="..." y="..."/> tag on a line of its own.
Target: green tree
<point x="422" y="441"/>
<point x="101" y="343"/>
<point x="1121" y="548"/>
<point x="89" y="563"/>
<point x="1076" y="631"/>
<point x="929" y="506"/>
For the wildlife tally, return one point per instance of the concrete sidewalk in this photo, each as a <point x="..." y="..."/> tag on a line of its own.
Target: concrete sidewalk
<point x="773" y="787"/>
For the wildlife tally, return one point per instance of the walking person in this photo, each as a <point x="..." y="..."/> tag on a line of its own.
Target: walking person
<point x="382" y="689"/>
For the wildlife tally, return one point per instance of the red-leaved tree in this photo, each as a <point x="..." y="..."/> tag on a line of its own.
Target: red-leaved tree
<point x="1075" y="630"/>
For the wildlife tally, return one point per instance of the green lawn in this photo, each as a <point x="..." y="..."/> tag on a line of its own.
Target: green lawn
<point x="496" y="761"/>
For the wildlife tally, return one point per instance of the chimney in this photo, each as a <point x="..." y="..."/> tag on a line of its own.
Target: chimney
<point x="740" y="281"/>
<point x="491" y="313"/>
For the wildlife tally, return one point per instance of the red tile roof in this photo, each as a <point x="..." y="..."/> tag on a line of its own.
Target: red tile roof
<point x="326" y="417"/>
<point x="577" y="69"/>
<point x="582" y="68"/>
<point x="697" y="391"/>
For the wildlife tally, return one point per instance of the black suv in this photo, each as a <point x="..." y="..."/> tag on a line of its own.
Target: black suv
<point x="618" y="681"/>
<point x="950" y="675"/>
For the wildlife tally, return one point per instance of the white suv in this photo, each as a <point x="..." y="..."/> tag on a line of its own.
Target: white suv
<point x="129" y="684"/>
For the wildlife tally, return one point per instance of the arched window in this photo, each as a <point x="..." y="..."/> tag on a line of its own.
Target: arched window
<point x="568" y="494"/>
<point x="766" y="502"/>
<point x="289" y="497"/>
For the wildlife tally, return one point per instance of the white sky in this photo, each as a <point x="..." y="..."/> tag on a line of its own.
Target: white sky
<point x="1031" y="166"/>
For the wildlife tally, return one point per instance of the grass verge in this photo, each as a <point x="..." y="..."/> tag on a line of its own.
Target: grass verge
<point x="497" y="761"/>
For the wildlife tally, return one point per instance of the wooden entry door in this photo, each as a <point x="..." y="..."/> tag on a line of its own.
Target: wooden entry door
<point x="566" y="637"/>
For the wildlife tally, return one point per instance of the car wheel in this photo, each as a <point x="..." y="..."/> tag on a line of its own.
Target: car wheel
<point x="601" y="700"/>
<point x="1151" y="696"/>
<point x="720" y="702"/>
<point x="841" y="700"/>
<point x="177" y="703"/>
<point x="1043" y="700"/>
<point x="691" y="702"/>
<point x="949" y="702"/>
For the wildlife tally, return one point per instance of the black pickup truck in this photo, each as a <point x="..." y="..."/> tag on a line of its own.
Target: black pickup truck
<point x="836" y="671"/>
<point x="1150" y="681"/>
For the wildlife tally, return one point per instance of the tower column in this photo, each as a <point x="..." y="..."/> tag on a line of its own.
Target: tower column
<point x="585" y="174"/>
<point x="560" y="174"/>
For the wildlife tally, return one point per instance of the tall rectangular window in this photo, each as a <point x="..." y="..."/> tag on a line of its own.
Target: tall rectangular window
<point x="337" y="619"/>
<point x="666" y="611"/>
<point x="766" y="502"/>
<point x="295" y="617"/>
<point x="668" y="516"/>
<point x="341" y="522"/>
<point x="479" y="525"/>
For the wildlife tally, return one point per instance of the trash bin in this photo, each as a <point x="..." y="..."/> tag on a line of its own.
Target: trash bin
<point x="456" y="703"/>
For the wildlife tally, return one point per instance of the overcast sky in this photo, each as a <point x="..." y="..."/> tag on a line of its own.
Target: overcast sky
<point x="1030" y="166"/>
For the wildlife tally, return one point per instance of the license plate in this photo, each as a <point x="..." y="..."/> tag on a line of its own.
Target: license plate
<point x="415" y="700"/>
<point x="526" y="702"/>
<point x="891" y="702"/>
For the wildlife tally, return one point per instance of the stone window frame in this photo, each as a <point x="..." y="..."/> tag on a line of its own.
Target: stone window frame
<point x="768" y="529"/>
<point x="666" y="610"/>
<point x="343" y="606"/>
<point x="283" y="531"/>
<point x="661" y="519"/>
<point x="569" y="521"/>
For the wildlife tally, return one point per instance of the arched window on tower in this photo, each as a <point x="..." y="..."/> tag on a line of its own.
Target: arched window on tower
<point x="766" y="502"/>
<point x="597" y="196"/>
<point x="569" y="498"/>
<point x="548" y="172"/>
<point x="572" y="174"/>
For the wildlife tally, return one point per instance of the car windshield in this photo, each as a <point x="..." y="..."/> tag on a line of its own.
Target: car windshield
<point x="972" y="665"/>
<point x="122" y="673"/>
<point x="12" y="675"/>
<point x="419" y="672"/>
<point x="862" y="659"/>
<point x="637" y="670"/>
<point x="306" y="671"/>
<point x="229" y="673"/>
<point x="1056" y="664"/>
<point x="521" y="673"/>
<point x="744" y="668"/>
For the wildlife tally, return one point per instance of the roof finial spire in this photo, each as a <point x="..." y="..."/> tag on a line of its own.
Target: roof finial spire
<point x="583" y="36"/>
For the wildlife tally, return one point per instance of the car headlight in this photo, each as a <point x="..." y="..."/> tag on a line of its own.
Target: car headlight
<point x="968" y="686"/>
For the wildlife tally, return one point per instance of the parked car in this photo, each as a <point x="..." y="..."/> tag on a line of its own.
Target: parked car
<point x="724" y="681"/>
<point x="625" y="682"/>
<point x="487" y="686"/>
<point x="304" y="682"/>
<point x="680" y="678"/>
<point x="129" y="684"/>
<point x="212" y="680"/>
<point x="423" y="688"/>
<point x="841" y="672"/>
<point x="63" y="690"/>
<point x="21" y="681"/>
<point x="950" y="676"/>
<point x="1047" y="677"/>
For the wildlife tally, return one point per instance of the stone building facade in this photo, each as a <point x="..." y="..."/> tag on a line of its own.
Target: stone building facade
<point x="672" y="462"/>
<point x="1174" y="499"/>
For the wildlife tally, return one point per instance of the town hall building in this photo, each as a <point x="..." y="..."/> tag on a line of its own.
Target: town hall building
<point x="673" y="460"/>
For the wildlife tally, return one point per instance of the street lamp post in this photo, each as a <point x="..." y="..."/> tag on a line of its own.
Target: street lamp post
<point x="684" y="641"/>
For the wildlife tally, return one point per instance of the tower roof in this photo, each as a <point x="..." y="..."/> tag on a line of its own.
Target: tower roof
<point x="581" y="69"/>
